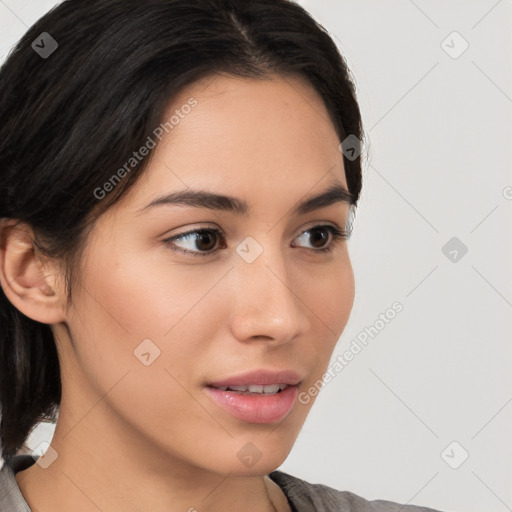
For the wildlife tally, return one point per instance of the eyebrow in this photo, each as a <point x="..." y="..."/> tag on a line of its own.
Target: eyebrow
<point x="335" y="193"/>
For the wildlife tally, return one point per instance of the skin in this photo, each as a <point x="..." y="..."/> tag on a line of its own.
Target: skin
<point x="132" y="437"/>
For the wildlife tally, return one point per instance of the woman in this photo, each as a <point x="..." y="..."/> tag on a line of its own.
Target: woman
<point x="133" y="133"/>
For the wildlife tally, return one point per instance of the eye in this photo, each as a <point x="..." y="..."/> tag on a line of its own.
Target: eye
<point x="202" y="242"/>
<point x="319" y="235"/>
<point x="199" y="242"/>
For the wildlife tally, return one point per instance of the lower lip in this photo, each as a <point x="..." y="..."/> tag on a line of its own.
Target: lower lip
<point x="256" y="408"/>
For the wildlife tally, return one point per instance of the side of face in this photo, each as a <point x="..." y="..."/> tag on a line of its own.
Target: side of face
<point x="151" y="327"/>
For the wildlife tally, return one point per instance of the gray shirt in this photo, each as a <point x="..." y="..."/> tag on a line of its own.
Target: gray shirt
<point x="302" y="496"/>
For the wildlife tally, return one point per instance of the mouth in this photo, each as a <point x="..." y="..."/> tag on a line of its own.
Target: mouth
<point x="258" y="396"/>
<point x="255" y="403"/>
<point x="254" y="389"/>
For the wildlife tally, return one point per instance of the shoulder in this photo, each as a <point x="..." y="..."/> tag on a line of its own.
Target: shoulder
<point x="11" y="499"/>
<point x="306" y="497"/>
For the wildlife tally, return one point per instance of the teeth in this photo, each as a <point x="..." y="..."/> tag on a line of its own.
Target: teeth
<point x="255" y="388"/>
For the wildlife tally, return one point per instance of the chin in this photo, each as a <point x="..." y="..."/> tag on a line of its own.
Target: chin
<point x="255" y="455"/>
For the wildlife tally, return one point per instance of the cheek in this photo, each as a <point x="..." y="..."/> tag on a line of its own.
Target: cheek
<point x="342" y="294"/>
<point x="330" y="296"/>
<point x="118" y="311"/>
<point x="122" y="306"/>
<point x="149" y="298"/>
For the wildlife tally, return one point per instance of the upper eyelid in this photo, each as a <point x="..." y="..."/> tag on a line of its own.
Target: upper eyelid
<point x="315" y="224"/>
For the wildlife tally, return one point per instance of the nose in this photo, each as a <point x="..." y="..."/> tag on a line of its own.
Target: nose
<point x="268" y="305"/>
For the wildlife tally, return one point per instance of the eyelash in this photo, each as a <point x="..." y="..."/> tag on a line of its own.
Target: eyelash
<point x="337" y="236"/>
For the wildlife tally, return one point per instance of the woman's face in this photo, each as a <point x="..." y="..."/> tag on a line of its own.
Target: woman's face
<point x="153" y="327"/>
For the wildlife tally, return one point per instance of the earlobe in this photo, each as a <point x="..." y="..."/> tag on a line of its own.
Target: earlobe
<point x="30" y="285"/>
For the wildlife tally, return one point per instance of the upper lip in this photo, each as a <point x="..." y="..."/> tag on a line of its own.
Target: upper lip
<point x="260" y="377"/>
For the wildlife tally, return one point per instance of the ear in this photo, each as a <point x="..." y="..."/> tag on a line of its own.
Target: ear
<point x="32" y="285"/>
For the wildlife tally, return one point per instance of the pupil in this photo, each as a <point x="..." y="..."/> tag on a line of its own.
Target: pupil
<point x="322" y="236"/>
<point x="201" y="238"/>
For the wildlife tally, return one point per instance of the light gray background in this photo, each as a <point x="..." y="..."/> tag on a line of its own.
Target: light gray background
<point x="437" y="166"/>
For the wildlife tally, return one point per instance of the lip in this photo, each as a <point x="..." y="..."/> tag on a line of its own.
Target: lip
<point x="255" y="408"/>
<point x="262" y="377"/>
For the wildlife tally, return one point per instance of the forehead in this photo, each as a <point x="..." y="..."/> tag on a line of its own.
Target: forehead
<point x="241" y="106"/>
<point x="244" y="137"/>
